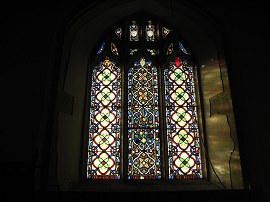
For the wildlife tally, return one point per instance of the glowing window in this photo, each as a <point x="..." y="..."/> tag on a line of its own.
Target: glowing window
<point x="182" y="125"/>
<point x="143" y="109"/>
<point x="104" y="126"/>
<point x="143" y="122"/>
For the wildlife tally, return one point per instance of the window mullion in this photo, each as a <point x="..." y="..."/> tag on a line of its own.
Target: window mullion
<point x="162" y="118"/>
<point x="125" y="122"/>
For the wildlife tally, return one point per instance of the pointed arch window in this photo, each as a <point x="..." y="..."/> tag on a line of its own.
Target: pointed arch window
<point x="143" y="114"/>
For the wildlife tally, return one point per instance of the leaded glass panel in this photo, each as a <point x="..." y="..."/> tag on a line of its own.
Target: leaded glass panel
<point x="118" y="32"/>
<point x="150" y="31"/>
<point x="165" y="31"/>
<point x="100" y="50"/>
<point x="170" y="49"/>
<point x="153" y="51"/>
<point x="143" y="122"/>
<point x="104" y="126"/>
<point x="133" y="51"/>
<point x="182" y="122"/>
<point x="114" y="49"/>
<point x="134" y="32"/>
<point x="183" y="49"/>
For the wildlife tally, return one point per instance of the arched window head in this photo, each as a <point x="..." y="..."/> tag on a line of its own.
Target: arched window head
<point x="143" y="106"/>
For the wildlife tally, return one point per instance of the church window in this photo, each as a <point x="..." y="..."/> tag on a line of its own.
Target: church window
<point x="144" y="122"/>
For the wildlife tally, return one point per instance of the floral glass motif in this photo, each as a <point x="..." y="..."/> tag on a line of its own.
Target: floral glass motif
<point x="150" y="31"/>
<point x="133" y="51"/>
<point x="143" y="122"/>
<point x="153" y="51"/>
<point x="165" y="31"/>
<point x="170" y="49"/>
<point x="134" y="32"/>
<point x="182" y="125"/>
<point x="101" y="48"/>
<point x="104" y="127"/>
<point x="114" y="49"/>
<point x="118" y="32"/>
<point x="183" y="49"/>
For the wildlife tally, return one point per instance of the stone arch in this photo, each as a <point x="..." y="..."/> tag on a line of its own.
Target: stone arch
<point x="81" y="33"/>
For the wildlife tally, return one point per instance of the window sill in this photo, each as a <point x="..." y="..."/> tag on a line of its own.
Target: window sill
<point x="146" y="186"/>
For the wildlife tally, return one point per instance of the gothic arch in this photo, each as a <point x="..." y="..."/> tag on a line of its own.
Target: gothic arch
<point x="82" y="32"/>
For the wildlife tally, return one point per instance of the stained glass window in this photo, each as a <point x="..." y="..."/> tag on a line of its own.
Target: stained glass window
<point x="134" y="32"/>
<point x="182" y="122"/>
<point x="153" y="51"/>
<point x="150" y="31"/>
<point x="155" y="144"/>
<point x="143" y="122"/>
<point x="170" y="49"/>
<point x="165" y="31"/>
<point x="101" y="48"/>
<point x="114" y="49"/>
<point x="118" y="32"/>
<point x="183" y="49"/>
<point x="133" y="51"/>
<point x="104" y="126"/>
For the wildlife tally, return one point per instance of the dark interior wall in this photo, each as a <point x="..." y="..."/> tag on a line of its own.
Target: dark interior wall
<point x="29" y="37"/>
<point x="27" y="45"/>
<point x="27" y="33"/>
<point x="246" y="49"/>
